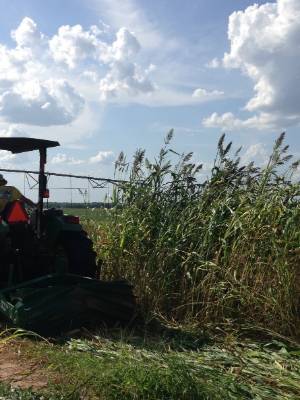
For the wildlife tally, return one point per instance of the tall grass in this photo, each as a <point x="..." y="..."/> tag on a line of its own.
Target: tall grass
<point x="223" y="251"/>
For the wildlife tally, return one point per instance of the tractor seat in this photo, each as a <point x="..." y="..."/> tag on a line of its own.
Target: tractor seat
<point x="15" y="213"/>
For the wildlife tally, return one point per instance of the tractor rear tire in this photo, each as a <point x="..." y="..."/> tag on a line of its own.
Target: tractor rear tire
<point x="4" y="265"/>
<point x="81" y="257"/>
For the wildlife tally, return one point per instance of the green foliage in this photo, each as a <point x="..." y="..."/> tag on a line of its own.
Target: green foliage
<point x="223" y="251"/>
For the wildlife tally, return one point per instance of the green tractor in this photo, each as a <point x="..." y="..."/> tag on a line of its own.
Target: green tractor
<point x="49" y="278"/>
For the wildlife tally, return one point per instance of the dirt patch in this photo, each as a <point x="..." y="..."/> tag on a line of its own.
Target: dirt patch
<point x="20" y="372"/>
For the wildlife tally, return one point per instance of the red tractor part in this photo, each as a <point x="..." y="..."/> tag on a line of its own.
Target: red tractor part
<point x="16" y="213"/>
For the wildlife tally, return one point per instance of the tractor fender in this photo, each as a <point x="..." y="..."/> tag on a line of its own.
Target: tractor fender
<point x="55" y="223"/>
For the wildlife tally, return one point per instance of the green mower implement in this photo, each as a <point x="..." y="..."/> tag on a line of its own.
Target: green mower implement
<point x="49" y="278"/>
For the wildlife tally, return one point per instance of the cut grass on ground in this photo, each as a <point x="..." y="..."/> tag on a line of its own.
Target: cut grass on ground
<point x="9" y="393"/>
<point x="138" y="368"/>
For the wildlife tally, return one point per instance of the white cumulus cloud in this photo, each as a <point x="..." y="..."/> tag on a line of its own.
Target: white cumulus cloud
<point x="52" y="102"/>
<point x="73" y="44"/>
<point x="27" y="34"/>
<point x="102" y="157"/>
<point x="228" y="121"/>
<point x="203" y="93"/>
<point x="39" y="74"/>
<point x="264" y="45"/>
<point x="124" y="47"/>
<point x="62" y="158"/>
<point x="12" y="65"/>
<point x="124" y="75"/>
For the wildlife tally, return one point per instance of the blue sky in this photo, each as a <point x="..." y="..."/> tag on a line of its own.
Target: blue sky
<point x="103" y="76"/>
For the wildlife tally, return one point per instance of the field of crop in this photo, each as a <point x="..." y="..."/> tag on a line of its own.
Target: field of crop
<point x="100" y="215"/>
<point x="222" y="253"/>
<point x="215" y="268"/>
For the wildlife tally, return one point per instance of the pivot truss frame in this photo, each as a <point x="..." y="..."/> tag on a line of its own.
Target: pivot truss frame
<point x="95" y="182"/>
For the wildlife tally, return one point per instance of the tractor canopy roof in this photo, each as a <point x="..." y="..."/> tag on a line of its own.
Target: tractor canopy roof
<point x="22" y="144"/>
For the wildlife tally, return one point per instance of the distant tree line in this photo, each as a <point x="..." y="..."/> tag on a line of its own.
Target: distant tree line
<point x="79" y="205"/>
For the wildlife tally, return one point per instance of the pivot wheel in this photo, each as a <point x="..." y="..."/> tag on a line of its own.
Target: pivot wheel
<point x="75" y="253"/>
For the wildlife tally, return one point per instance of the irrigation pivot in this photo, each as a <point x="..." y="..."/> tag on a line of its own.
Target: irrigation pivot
<point x="90" y="178"/>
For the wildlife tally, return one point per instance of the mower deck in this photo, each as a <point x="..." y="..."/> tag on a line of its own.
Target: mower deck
<point x="59" y="302"/>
